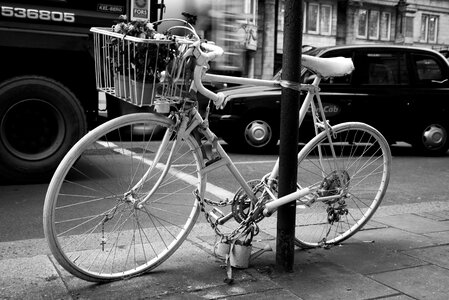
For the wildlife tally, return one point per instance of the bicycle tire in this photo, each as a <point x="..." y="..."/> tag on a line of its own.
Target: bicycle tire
<point x="361" y="169"/>
<point x="94" y="227"/>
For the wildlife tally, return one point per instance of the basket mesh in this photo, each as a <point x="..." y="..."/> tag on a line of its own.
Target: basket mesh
<point x="140" y="71"/>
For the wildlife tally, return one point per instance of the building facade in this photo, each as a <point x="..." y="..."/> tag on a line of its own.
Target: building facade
<point x="334" y="22"/>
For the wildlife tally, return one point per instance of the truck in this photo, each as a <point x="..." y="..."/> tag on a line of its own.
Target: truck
<point x="48" y="96"/>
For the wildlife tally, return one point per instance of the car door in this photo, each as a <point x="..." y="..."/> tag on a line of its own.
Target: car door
<point x="378" y="89"/>
<point x="384" y="87"/>
<point x="427" y="114"/>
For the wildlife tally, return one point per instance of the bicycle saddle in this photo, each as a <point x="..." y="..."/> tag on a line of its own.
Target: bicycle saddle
<point x="328" y="67"/>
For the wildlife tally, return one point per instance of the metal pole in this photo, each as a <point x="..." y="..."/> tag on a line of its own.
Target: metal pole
<point x="291" y="70"/>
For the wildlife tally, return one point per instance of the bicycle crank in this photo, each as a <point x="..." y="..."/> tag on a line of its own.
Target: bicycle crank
<point x="242" y="205"/>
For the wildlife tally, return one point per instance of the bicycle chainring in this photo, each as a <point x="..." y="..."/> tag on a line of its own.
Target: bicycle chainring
<point x="242" y="204"/>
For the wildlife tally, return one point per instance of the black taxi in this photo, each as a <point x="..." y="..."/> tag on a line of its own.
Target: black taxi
<point x="402" y="91"/>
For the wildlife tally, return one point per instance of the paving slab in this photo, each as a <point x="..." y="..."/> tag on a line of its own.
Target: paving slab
<point x="413" y="223"/>
<point x="423" y="282"/>
<point x="24" y="248"/>
<point x="368" y="258"/>
<point x="326" y="280"/>
<point x="393" y="238"/>
<point x="189" y="270"/>
<point x="409" y="208"/>
<point x="435" y="215"/>
<point x="373" y="225"/>
<point x="438" y="255"/>
<point x="439" y="238"/>
<point x="30" y="278"/>
<point x="400" y="297"/>
<point x="242" y="290"/>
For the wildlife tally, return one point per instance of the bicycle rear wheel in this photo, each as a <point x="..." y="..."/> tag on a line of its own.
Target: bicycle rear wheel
<point x="93" y="224"/>
<point x="351" y="184"/>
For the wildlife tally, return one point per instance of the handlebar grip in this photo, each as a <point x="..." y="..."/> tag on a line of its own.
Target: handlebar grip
<point x="214" y="51"/>
<point x="203" y="57"/>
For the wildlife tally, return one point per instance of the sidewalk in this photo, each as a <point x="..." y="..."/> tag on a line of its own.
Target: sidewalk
<point x="401" y="254"/>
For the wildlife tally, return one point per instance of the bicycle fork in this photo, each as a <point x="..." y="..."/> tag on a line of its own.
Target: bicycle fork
<point x="156" y="162"/>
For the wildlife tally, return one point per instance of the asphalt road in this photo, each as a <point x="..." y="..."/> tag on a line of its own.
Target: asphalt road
<point x="414" y="179"/>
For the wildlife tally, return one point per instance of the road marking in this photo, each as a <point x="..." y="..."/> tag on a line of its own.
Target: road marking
<point x="254" y="162"/>
<point x="241" y="162"/>
<point x="210" y="188"/>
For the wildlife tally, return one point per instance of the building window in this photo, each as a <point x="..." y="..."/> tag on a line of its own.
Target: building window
<point x="429" y="28"/>
<point x="373" y="24"/>
<point x="409" y="27"/>
<point x="326" y="19"/>
<point x="251" y="11"/>
<point x="312" y="17"/>
<point x="317" y="18"/>
<point x="385" y="26"/>
<point x="362" y="27"/>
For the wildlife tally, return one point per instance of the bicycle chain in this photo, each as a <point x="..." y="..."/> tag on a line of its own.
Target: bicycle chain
<point x="244" y="227"/>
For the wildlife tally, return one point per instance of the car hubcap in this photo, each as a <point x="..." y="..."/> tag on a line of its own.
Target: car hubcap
<point x="258" y="133"/>
<point x="434" y="136"/>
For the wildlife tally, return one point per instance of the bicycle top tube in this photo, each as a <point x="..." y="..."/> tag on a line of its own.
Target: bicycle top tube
<point x="322" y="67"/>
<point x="205" y="52"/>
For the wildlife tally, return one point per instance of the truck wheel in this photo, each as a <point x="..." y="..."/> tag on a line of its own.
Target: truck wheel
<point x="40" y="119"/>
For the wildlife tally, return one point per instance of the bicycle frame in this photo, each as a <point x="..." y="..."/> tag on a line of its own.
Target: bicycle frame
<point x="312" y="91"/>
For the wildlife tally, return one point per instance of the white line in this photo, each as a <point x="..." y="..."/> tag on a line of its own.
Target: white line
<point x="210" y="188"/>
<point x="243" y="162"/>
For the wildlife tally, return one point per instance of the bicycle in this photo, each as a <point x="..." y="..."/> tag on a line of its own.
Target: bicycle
<point x="129" y="192"/>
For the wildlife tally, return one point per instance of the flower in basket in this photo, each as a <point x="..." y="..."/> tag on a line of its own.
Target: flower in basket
<point x="139" y="28"/>
<point x="147" y="59"/>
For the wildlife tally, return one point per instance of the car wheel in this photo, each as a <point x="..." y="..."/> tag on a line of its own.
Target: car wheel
<point x="258" y="134"/>
<point x="40" y="119"/>
<point x="432" y="138"/>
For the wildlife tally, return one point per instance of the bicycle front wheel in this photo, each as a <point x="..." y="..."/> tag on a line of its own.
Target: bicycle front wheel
<point x="93" y="222"/>
<point x="351" y="172"/>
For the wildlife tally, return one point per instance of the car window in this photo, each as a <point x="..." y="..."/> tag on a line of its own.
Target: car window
<point x="427" y="68"/>
<point x="380" y="68"/>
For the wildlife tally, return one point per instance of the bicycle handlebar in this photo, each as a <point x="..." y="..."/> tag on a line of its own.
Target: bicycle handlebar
<point x="202" y="60"/>
<point x="203" y="57"/>
<point x="214" y="51"/>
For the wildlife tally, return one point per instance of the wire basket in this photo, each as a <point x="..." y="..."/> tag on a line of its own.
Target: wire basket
<point x="142" y="72"/>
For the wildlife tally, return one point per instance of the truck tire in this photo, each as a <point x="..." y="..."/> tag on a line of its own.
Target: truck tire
<point x="40" y="120"/>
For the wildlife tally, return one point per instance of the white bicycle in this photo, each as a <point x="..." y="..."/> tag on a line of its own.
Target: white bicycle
<point x="128" y="193"/>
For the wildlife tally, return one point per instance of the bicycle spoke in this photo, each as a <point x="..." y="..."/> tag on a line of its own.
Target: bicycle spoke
<point x="356" y="178"/>
<point x="98" y="229"/>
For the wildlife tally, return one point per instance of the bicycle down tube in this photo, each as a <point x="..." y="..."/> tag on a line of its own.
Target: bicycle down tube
<point x="311" y="89"/>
